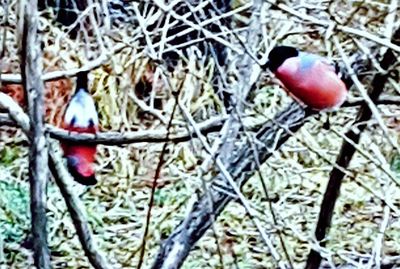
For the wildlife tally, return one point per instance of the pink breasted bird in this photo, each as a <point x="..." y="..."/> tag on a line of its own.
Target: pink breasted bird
<point x="81" y="116"/>
<point x="308" y="78"/>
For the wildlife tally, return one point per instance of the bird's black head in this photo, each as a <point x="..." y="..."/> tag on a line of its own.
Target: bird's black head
<point x="279" y="54"/>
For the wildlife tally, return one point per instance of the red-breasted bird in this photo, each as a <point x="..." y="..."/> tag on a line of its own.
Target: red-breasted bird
<point x="309" y="78"/>
<point x="81" y="116"/>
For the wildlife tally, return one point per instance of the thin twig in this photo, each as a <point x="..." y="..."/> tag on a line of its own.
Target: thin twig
<point x="364" y="94"/>
<point x="76" y="210"/>
<point x="241" y="166"/>
<point x="267" y="197"/>
<point x="344" y="28"/>
<point x="4" y="37"/>
<point x="346" y="153"/>
<point x="384" y="100"/>
<point x="154" y="185"/>
<point x="16" y="78"/>
<point x="379" y="240"/>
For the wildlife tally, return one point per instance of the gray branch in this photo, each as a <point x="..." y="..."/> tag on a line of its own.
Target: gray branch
<point x="117" y="138"/>
<point x="270" y="136"/>
<point x="241" y="166"/>
<point x="76" y="211"/>
<point x="31" y="67"/>
<point x="346" y="154"/>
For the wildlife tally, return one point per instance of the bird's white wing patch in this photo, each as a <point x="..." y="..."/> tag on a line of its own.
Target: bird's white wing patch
<point x="82" y="108"/>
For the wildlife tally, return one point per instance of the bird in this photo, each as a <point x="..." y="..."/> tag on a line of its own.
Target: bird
<point x="309" y="78"/>
<point x="81" y="116"/>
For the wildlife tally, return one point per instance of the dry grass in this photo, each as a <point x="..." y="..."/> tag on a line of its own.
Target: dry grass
<point x="296" y="175"/>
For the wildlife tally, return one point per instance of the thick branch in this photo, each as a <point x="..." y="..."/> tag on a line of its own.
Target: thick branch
<point x="31" y="67"/>
<point x="176" y="248"/>
<point x="346" y="153"/>
<point x="174" y="252"/>
<point x="241" y="166"/>
<point x="117" y="138"/>
<point x="140" y="136"/>
<point x="113" y="138"/>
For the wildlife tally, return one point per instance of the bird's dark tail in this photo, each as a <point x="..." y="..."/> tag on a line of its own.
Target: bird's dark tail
<point x="82" y="80"/>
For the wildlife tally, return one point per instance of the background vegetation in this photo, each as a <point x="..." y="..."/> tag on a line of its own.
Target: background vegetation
<point x="133" y="85"/>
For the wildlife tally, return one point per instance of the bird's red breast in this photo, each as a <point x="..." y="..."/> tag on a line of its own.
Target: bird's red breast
<point x="309" y="78"/>
<point x="317" y="86"/>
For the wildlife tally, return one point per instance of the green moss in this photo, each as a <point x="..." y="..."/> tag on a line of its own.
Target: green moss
<point x="9" y="154"/>
<point x="395" y="164"/>
<point x="14" y="210"/>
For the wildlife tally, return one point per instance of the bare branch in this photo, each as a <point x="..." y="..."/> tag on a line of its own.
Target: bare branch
<point x="248" y="75"/>
<point x="384" y="100"/>
<point x="75" y="208"/>
<point x="379" y="240"/>
<point x="241" y="166"/>
<point x="116" y="138"/>
<point x="16" y="78"/>
<point x="346" y="153"/>
<point x="153" y="187"/>
<point x="31" y="67"/>
<point x="213" y="124"/>
<point x="344" y="28"/>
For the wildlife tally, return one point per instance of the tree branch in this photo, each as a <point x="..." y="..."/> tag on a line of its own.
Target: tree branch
<point x="344" y="28"/>
<point x="176" y="248"/>
<point x="151" y="136"/>
<point x="241" y="166"/>
<point x="76" y="210"/>
<point x="113" y="138"/>
<point x="346" y="153"/>
<point x="16" y="78"/>
<point x="31" y="68"/>
<point x="385" y="100"/>
<point x="116" y="138"/>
